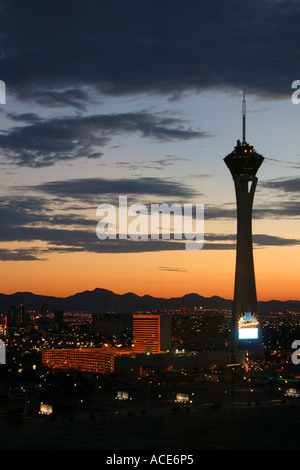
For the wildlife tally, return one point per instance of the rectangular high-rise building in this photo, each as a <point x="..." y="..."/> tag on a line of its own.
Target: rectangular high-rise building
<point x="151" y="333"/>
<point x="200" y="331"/>
<point x="15" y="316"/>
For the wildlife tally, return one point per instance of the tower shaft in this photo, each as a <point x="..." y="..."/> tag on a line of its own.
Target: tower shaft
<point x="245" y="298"/>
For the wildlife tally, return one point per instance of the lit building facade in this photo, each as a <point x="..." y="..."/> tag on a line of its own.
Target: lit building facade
<point x="94" y="360"/>
<point x="151" y="333"/>
<point x="243" y="163"/>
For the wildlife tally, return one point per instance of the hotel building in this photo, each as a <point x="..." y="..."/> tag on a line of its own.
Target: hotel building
<point x="151" y="333"/>
<point x="94" y="360"/>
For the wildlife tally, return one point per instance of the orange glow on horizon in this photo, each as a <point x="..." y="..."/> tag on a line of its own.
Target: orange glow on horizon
<point x="160" y="274"/>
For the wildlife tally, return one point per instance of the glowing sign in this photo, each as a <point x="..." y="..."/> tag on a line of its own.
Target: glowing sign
<point x="248" y="326"/>
<point x="247" y="320"/>
<point x="292" y="392"/>
<point x="122" y="395"/>
<point x="45" y="409"/>
<point x="182" y="398"/>
<point x="248" y="333"/>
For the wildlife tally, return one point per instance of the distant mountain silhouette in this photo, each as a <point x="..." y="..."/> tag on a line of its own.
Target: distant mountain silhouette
<point x="103" y="300"/>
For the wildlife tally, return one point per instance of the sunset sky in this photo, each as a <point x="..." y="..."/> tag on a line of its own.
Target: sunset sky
<point x="144" y="99"/>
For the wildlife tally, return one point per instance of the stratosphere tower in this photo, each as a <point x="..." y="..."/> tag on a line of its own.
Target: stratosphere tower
<point x="243" y="163"/>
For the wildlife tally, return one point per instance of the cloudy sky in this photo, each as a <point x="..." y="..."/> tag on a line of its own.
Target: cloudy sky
<point x="144" y="99"/>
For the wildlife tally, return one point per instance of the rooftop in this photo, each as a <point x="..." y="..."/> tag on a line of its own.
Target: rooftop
<point x="243" y="160"/>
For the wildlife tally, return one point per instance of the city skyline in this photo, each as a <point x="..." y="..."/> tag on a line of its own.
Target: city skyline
<point x="146" y="102"/>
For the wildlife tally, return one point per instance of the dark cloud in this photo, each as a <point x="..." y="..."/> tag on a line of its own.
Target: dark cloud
<point x="73" y="97"/>
<point x="288" y="185"/>
<point x="39" y="230"/>
<point x="25" y="210"/>
<point x="53" y="223"/>
<point x="159" y="164"/>
<point x="79" y="240"/>
<point x="171" y="269"/>
<point x="43" y="142"/>
<point x="283" y="163"/>
<point x="93" y="188"/>
<point x="281" y="210"/>
<point x="82" y="193"/>
<point x="22" y="254"/>
<point x="135" y="47"/>
<point x="267" y="210"/>
<point x="271" y="240"/>
<point x="24" y="117"/>
<point x="228" y="241"/>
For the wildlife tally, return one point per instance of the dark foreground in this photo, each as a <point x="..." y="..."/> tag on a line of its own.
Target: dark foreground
<point x="262" y="427"/>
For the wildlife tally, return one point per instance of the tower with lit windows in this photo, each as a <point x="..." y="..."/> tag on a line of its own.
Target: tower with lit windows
<point x="151" y="333"/>
<point x="243" y="163"/>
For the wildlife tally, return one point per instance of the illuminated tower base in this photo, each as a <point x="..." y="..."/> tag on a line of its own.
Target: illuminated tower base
<point x="245" y="308"/>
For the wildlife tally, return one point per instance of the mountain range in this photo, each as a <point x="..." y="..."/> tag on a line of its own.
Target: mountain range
<point x="103" y="300"/>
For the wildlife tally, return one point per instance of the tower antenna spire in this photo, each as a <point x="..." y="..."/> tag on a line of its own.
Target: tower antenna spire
<point x="244" y="116"/>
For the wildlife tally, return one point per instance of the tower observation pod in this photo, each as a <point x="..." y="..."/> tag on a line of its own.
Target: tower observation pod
<point x="243" y="163"/>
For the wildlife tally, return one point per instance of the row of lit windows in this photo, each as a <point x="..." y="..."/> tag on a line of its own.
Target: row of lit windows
<point x="79" y="360"/>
